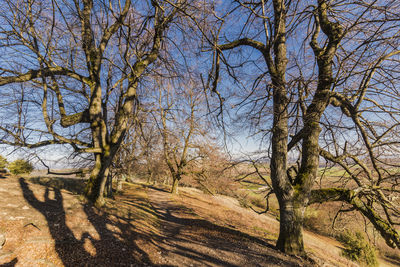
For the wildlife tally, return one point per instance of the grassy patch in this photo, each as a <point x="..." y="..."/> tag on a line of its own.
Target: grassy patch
<point x="333" y="172"/>
<point x="251" y="185"/>
<point x="356" y="248"/>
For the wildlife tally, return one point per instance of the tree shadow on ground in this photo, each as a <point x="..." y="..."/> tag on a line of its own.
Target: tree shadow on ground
<point x="218" y="238"/>
<point x="114" y="248"/>
<point x="165" y="190"/>
<point x="3" y="174"/>
<point x="74" y="185"/>
<point x="202" y="242"/>
<point x="11" y="263"/>
<point x="124" y="240"/>
<point x="392" y="260"/>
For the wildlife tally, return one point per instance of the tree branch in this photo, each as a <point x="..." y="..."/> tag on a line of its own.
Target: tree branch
<point x="353" y="197"/>
<point x="45" y="72"/>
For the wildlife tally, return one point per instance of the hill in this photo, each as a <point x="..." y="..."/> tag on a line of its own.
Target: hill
<point x="49" y="224"/>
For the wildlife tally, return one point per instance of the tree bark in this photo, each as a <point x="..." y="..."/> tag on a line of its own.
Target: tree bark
<point x="293" y="196"/>
<point x="95" y="186"/>
<point x="291" y="210"/>
<point x="290" y="238"/>
<point x="98" y="177"/>
<point x="109" y="190"/>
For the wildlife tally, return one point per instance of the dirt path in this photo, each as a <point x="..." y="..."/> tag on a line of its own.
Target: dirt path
<point x="192" y="241"/>
<point x="45" y="225"/>
<point x="227" y="212"/>
<point x="48" y="226"/>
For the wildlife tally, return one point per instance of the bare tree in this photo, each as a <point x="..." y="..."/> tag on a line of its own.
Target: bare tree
<point x="140" y="153"/>
<point x="83" y="63"/>
<point x="328" y="51"/>
<point x="179" y="119"/>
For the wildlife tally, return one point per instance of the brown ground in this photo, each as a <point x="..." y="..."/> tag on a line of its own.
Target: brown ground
<point x="145" y="226"/>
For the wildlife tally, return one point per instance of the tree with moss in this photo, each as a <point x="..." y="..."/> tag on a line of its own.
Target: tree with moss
<point x="311" y="80"/>
<point x="79" y="65"/>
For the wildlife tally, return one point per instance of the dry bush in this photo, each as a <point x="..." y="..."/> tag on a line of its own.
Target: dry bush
<point x="312" y="219"/>
<point x="212" y="172"/>
<point x="257" y="200"/>
<point x="318" y="218"/>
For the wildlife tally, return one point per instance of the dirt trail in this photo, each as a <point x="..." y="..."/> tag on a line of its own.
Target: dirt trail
<point x="227" y="212"/>
<point x="193" y="241"/>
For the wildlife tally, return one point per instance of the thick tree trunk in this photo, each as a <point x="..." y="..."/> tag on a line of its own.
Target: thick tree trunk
<point x="174" y="188"/>
<point x="95" y="186"/>
<point x="290" y="238"/>
<point x="291" y="216"/>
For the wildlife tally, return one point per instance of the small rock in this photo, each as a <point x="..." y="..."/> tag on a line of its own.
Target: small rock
<point x="25" y="208"/>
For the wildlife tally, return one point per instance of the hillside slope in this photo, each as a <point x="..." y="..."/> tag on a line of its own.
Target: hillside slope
<point x="46" y="225"/>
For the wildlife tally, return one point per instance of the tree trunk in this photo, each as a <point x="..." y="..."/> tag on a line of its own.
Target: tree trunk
<point x="108" y="192"/>
<point x="175" y="182"/>
<point x="150" y="177"/>
<point x="290" y="238"/>
<point x="95" y="186"/>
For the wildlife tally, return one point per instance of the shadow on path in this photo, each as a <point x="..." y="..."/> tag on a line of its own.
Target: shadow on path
<point x="10" y="264"/>
<point x="192" y="240"/>
<point x="155" y="225"/>
<point x="3" y="174"/>
<point x="114" y="248"/>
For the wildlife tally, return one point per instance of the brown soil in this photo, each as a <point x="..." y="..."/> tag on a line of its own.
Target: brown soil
<point x="46" y="225"/>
